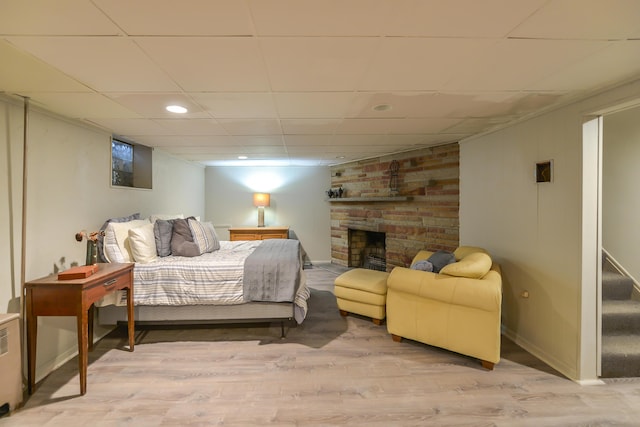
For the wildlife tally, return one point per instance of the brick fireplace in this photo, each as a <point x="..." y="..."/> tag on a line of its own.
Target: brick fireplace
<point x="423" y="214"/>
<point x="367" y="249"/>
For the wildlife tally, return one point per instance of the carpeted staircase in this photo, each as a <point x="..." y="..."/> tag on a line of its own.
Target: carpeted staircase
<point x="620" y="327"/>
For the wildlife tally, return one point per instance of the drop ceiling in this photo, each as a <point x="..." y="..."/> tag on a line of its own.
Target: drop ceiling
<point x="296" y="82"/>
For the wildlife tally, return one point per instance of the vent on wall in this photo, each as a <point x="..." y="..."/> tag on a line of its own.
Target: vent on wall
<point x="4" y="341"/>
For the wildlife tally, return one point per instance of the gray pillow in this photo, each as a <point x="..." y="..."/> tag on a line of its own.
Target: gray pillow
<point x="182" y="243"/>
<point x="440" y="259"/>
<point x="101" y="257"/>
<point x="162" y="231"/>
<point x="422" y="265"/>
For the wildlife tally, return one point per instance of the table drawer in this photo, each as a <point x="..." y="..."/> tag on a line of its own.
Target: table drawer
<point x="106" y="286"/>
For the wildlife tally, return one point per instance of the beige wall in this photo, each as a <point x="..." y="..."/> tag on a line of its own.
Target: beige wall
<point x="68" y="189"/>
<point x="297" y="200"/>
<point x="535" y="230"/>
<point x="620" y="191"/>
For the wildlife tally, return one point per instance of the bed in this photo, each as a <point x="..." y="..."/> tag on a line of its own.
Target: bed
<point x="219" y="282"/>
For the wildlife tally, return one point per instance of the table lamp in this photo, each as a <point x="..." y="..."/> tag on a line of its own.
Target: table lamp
<point x="261" y="200"/>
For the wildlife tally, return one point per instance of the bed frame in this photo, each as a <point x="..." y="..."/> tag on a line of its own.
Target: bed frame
<point x="251" y="312"/>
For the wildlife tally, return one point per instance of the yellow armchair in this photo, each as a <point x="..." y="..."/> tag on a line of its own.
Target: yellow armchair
<point x="458" y="309"/>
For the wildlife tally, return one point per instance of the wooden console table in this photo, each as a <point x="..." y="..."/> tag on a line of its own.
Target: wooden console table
<point x="49" y="296"/>
<point x="258" y="233"/>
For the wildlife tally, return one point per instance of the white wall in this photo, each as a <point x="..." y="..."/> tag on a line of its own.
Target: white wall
<point x="68" y="189"/>
<point x="621" y="195"/>
<point x="298" y="200"/>
<point x="534" y="230"/>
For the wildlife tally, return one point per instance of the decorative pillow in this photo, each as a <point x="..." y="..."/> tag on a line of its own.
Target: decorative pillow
<point x="473" y="266"/>
<point x="463" y="251"/>
<point x="101" y="252"/>
<point x="143" y="244"/>
<point x="204" y="235"/>
<point x="155" y="217"/>
<point x="440" y="259"/>
<point x="422" y="265"/>
<point x="162" y="231"/>
<point x="182" y="243"/>
<point x="111" y="249"/>
<point x="121" y="231"/>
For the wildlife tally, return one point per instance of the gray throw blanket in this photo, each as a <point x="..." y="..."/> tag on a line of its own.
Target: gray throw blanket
<point x="272" y="271"/>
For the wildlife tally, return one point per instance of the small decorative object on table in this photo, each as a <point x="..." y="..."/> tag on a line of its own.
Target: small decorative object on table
<point x="92" y="245"/>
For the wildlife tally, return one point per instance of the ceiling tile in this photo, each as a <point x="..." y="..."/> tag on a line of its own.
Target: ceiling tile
<point x="313" y="104"/>
<point x="184" y="140"/>
<point x="517" y="64"/>
<point x="595" y="70"/>
<point x="422" y="64"/>
<point x="319" y="18"/>
<point x="580" y="19"/>
<point x="192" y="126"/>
<point x="237" y="105"/>
<point x="153" y="105"/>
<point x="119" y="66"/>
<point x="184" y="17"/>
<point x="81" y="105"/>
<point x="458" y="18"/>
<point x="21" y="72"/>
<point x="306" y="140"/>
<point x="309" y="126"/>
<point x="59" y="17"/>
<point x="130" y="126"/>
<point x="201" y="64"/>
<point x="317" y="63"/>
<point x="394" y="126"/>
<point x="399" y="104"/>
<point x="251" y="126"/>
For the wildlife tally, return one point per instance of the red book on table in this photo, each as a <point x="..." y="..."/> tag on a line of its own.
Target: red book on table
<point x="80" y="272"/>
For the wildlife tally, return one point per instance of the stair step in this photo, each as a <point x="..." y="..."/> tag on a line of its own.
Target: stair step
<point x="620" y="356"/>
<point x="621" y="317"/>
<point x="616" y="286"/>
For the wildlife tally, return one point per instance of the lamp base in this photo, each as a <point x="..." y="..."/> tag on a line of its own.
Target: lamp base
<point x="260" y="216"/>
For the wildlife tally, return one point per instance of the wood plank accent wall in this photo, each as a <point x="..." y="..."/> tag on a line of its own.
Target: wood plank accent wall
<point x="428" y="220"/>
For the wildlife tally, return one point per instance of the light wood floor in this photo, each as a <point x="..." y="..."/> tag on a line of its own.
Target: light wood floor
<point x="329" y="371"/>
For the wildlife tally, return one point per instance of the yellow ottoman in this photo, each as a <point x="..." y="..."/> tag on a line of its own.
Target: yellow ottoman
<point x="362" y="291"/>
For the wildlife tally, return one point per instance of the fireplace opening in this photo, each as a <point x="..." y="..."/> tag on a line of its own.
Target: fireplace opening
<point x="367" y="250"/>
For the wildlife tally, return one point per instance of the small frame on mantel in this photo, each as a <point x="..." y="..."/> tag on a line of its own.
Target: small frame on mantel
<point x="544" y="171"/>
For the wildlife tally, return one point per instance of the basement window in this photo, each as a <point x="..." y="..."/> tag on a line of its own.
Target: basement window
<point x="131" y="164"/>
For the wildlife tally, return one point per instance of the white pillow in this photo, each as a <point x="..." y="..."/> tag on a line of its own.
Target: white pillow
<point x="155" y="217"/>
<point x="143" y="244"/>
<point x="121" y="232"/>
<point x="204" y="235"/>
<point x="110" y="246"/>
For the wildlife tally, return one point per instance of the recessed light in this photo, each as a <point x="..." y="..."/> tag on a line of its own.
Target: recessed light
<point x="242" y="157"/>
<point x="178" y="109"/>
<point x="382" y="107"/>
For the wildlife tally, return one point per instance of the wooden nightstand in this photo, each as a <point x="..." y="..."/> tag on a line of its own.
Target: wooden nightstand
<point x="258" y="233"/>
<point x="49" y="296"/>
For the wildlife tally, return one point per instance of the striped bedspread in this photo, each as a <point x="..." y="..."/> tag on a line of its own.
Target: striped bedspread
<point x="214" y="278"/>
<point x="211" y="278"/>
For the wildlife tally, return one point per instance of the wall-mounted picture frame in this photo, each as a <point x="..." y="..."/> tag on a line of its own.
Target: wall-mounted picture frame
<point x="544" y="171"/>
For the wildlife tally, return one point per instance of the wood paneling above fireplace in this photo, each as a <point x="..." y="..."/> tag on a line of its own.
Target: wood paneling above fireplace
<point x="425" y="216"/>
